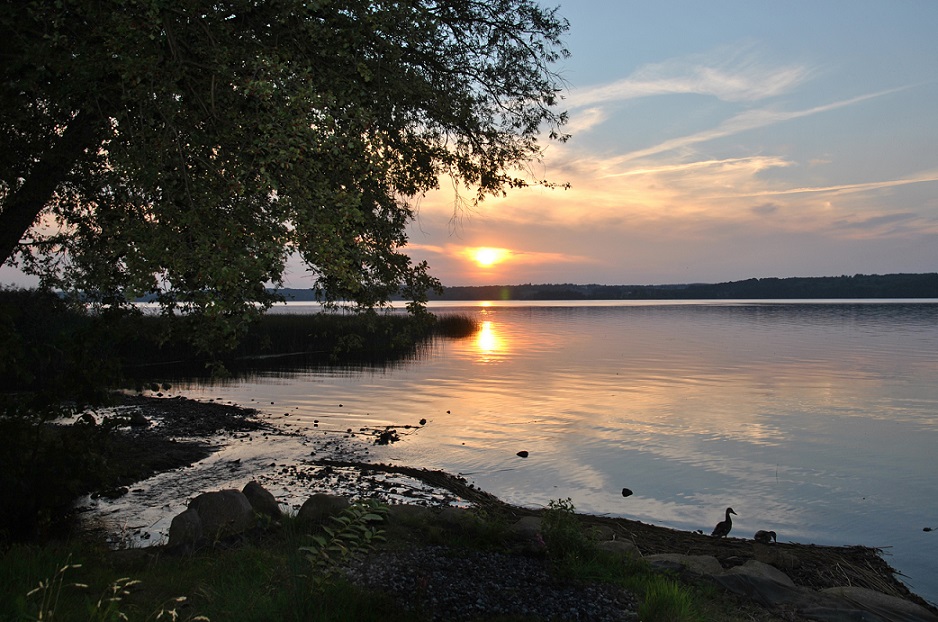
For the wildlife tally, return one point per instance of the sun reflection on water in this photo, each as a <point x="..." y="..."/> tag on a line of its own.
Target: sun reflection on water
<point x="489" y="343"/>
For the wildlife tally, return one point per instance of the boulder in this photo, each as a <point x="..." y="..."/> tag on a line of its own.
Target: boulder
<point x="321" y="506"/>
<point x="698" y="564"/>
<point x="261" y="500"/>
<point x="407" y="514"/>
<point x="527" y="528"/>
<point x="457" y="518"/>
<point x="621" y="548"/>
<point x="185" y="531"/>
<point x="599" y="533"/>
<point x="771" y="593"/>
<point x="755" y="568"/>
<point x="775" y="556"/>
<point x="887" y="607"/>
<point x="223" y="513"/>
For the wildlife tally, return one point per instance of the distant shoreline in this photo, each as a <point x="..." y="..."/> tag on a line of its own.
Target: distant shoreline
<point x="860" y="286"/>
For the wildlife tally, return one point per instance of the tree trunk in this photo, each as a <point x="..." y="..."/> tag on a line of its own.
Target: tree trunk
<point x="23" y="206"/>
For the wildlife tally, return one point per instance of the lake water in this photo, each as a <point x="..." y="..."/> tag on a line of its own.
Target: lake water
<point x="818" y="420"/>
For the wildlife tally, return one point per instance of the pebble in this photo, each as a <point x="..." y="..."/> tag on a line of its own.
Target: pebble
<point x="439" y="582"/>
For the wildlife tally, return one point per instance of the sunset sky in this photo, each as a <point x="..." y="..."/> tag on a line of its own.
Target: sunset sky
<point x="717" y="141"/>
<point x="722" y="140"/>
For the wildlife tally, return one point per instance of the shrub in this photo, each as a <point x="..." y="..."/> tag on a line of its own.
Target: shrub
<point x="566" y="541"/>
<point x="352" y="534"/>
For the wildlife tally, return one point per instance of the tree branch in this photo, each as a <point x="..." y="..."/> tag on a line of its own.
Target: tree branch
<point x="23" y="205"/>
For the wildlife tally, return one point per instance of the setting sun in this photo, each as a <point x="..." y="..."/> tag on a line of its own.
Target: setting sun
<point x="486" y="256"/>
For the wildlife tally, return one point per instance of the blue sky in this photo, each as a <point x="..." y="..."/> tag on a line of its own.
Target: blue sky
<point x="717" y="141"/>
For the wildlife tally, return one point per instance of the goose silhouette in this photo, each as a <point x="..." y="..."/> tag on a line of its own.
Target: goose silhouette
<point x="724" y="526"/>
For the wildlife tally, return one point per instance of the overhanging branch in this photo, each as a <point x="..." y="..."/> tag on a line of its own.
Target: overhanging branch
<point x="23" y="206"/>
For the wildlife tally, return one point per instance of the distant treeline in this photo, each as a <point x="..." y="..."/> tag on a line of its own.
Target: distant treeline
<point x="857" y="286"/>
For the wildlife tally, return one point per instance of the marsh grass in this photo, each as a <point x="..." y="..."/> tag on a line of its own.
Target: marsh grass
<point x="290" y="342"/>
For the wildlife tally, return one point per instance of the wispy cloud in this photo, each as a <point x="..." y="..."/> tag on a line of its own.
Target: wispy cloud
<point x="733" y="74"/>
<point x="585" y="120"/>
<point x="931" y="176"/>
<point x="749" y="120"/>
<point x="876" y="222"/>
<point x="753" y="164"/>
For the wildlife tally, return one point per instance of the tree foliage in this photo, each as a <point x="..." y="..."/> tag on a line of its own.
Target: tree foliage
<point x="188" y="147"/>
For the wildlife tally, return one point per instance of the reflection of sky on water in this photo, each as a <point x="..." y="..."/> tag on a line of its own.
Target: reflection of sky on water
<point x="818" y="422"/>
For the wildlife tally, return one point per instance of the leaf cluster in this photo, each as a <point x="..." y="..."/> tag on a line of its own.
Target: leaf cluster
<point x="352" y="534"/>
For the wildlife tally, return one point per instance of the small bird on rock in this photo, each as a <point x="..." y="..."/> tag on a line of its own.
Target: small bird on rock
<point x="723" y="527"/>
<point x="765" y="537"/>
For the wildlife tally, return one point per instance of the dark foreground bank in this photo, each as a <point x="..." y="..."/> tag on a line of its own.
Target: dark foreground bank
<point x="431" y="565"/>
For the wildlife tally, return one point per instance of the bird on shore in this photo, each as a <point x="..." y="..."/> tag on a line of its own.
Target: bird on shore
<point x="723" y="527"/>
<point x="765" y="537"/>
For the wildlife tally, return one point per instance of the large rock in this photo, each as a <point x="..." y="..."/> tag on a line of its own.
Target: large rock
<point x="622" y="548"/>
<point x="698" y="564"/>
<point x="755" y="568"/>
<point x="527" y="534"/>
<point x="775" y="556"/>
<point x="458" y="518"/>
<point x="771" y="593"/>
<point x="262" y="500"/>
<point x="883" y="605"/>
<point x="223" y="513"/>
<point x="527" y="528"/>
<point x="404" y="513"/>
<point x="601" y="533"/>
<point x="321" y="506"/>
<point x="185" y="531"/>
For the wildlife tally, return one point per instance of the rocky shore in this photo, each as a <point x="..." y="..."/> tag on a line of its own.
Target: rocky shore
<point x="780" y="581"/>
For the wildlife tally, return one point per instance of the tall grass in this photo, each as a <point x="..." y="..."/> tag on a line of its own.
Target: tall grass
<point x="59" y="349"/>
<point x="293" y="342"/>
<point x="256" y="582"/>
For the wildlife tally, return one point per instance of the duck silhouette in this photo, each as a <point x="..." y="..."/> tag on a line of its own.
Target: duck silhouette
<point x="723" y="527"/>
<point x="765" y="537"/>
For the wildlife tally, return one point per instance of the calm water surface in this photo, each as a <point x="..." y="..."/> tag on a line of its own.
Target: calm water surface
<point x="816" y="420"/>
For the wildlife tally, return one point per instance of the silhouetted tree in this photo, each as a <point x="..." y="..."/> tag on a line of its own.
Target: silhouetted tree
<point x="188" y="147"/>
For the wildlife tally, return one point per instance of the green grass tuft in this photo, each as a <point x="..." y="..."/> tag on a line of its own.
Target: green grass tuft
<point x="667" y="601"/>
